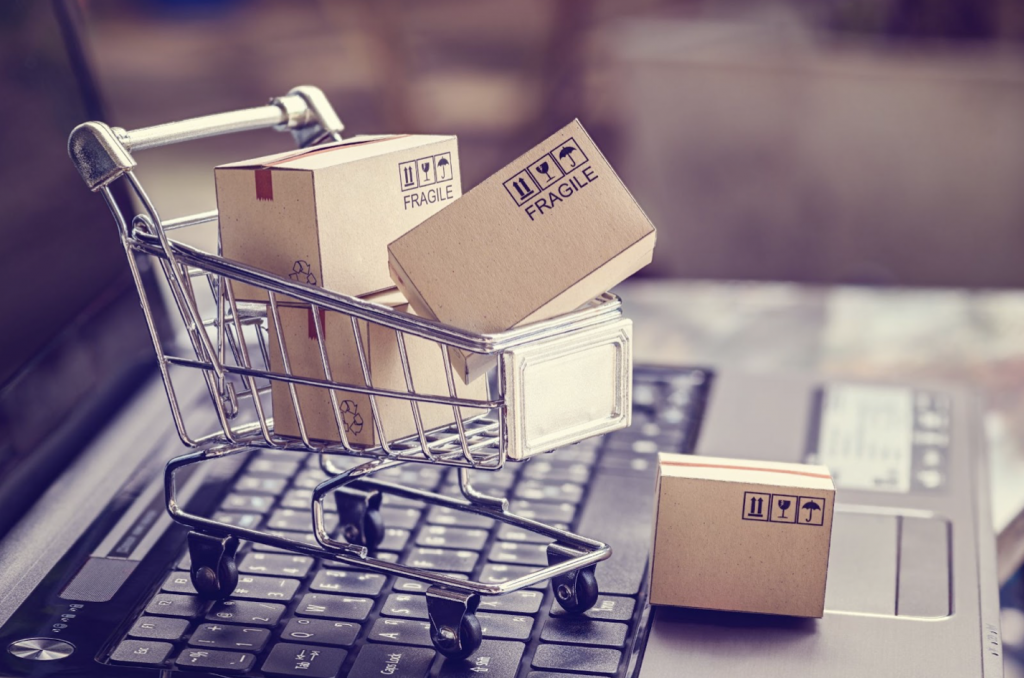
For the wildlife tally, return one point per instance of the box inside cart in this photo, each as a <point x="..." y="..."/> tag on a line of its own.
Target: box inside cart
<point x="386" y="372"/>
<point x="549" y="232"/>
<point x="324" y="216"/>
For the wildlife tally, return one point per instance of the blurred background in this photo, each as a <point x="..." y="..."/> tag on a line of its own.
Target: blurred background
<point x="851" y="141"/>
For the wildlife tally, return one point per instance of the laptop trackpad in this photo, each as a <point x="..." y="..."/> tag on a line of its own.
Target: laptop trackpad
<point x="862" y="564"/>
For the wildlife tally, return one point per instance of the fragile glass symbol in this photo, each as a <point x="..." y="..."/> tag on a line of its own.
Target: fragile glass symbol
<point x="426" y="168"/>
<point x="784" y="504"/>
<point x="543" y="169"/>
<point x="522" y="188"/>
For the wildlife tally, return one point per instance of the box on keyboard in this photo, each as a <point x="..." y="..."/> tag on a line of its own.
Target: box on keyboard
<point x="739" y="535"/>
<point x="549" y="232"/>
<point x="324" y="216"/>
<point x="386" y="372"/>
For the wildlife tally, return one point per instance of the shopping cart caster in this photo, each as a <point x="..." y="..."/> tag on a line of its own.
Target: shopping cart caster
<point x="214" y="571"/>
<point x="454" y="628"/>
<point x="359" y="517"/>
<point x="575" y="591"/>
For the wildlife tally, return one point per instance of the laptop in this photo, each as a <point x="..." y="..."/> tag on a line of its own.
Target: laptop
<point x="94" y="574"/>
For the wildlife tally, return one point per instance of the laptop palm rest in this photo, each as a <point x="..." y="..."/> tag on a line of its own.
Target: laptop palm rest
<point x="882" y="565"/>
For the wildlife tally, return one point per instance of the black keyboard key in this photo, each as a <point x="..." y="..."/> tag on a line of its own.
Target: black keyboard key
<point x="247" y="520"/>
<point x="142" y="652"/>
<point x="518" y="534"/>
<point x="407" y="605"/>
<point x="292" y="659"/>
<point x="545" y="512"/>
<point x="524" y="601"/>
<point x="386" y="556"/>
<point x="184" y="563"/>
<point x="542" y="469"/>
<point x="420" y="476"/>
<point x="309" y="479"/>
<point x="405" y="585"/>
<point x="401" y="632"/>
<point x="253" y="503"/>
<point x="505" y="626"/>
<point x="394" y="501"/>
<point x="440" y="536"/>
<point x="321" y="632"/>
<point x="175" y="605"/>
<point x="548" y="490"/>
<point x="274" y="589"/>
<point x="159" y="628"/>
<point x="273" y="467"/>
<point x="220" y="661"/>
<point x="178" y="582"/>
<point x="261" y="485"/>
<point x="518" y="554"/>
<point x="301" y="498"/>
<point x="402" y="518"/>
<point x="444" y="560"/>
<point x="494" y="658"/>
<point x="559" y="674"/>
<point x="573" y="658"/>
<point x="607" y="608"/>
<point x="499" y="573"/>
<point x="618" y="464"/>
<point x="246" y="612"/>
<point x="352" y="582"/>
<point x="625" y="525"/>
<point x="442" y="515"/>
<point x="583" y="452"/>
<point x="328" y="606"/>
<point x="578" y="631"/>
<point x="275" y="564"/>
<point x="299" y="520"/>
<point x="394" y="661"/>
<point x="301" y="537"/>
<point x="230" y="637"/>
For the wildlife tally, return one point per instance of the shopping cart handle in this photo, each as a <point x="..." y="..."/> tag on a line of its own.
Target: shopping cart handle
<point x="103" y="153"/>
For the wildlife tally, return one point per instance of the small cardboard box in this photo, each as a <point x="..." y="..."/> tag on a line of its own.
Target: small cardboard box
<point x="549" y="232"/>
<point x="739" y="535"/>
<point x="325" y="215"/>
<point x="385" y="365"/>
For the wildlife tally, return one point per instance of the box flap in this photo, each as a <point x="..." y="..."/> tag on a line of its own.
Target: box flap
<point x="746" y="471"/>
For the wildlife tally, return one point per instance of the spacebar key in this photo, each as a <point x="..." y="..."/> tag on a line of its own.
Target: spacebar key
<point x="619" y="512"/>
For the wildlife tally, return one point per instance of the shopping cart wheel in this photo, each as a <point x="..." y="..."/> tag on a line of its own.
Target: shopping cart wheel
<point x="359" y="516"/>
<point x="576" y="591"/>
<point x="454" y="628"/>
<point x="214" y="571"/>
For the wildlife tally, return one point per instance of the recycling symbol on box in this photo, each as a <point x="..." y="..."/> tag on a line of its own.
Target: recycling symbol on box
<point x="302" y="272"/>
<point x="351" y="418"/>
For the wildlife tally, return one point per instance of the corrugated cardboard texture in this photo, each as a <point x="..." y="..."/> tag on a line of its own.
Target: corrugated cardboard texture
<point x="546" y="234"/>
<point x="324" y="216"/>
<point x="425" y="363"/>
<point x="741" y="536"/>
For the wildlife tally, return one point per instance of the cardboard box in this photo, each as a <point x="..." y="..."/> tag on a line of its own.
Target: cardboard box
<point x="549" y="232"/>
<point x="385" y="366"/>
<point x="745" y="536"/>
<point x="324" y="215"/>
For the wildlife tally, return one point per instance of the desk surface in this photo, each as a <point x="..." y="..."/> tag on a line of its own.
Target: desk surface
<point x="974" y="337"/>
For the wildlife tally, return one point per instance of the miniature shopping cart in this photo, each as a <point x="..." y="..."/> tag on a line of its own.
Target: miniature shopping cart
<point x="557" y="382"/>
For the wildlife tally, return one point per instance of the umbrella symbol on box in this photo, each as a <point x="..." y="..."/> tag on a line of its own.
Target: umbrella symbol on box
<point x="811" y="507"/>
<point x="567" y="152"/>
<point x="441" y="165"/>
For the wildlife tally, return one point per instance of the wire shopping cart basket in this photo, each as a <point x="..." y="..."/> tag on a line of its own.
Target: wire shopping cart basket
<point x="557" y="382"/>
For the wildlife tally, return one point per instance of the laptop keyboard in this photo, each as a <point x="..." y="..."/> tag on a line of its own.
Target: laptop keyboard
<point x="293" y="615"/>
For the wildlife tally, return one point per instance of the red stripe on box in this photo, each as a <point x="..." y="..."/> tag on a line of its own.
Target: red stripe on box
<point x="312" y="322"/>
<point x="264" y="185"/>
<point x="744" y="468"/>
